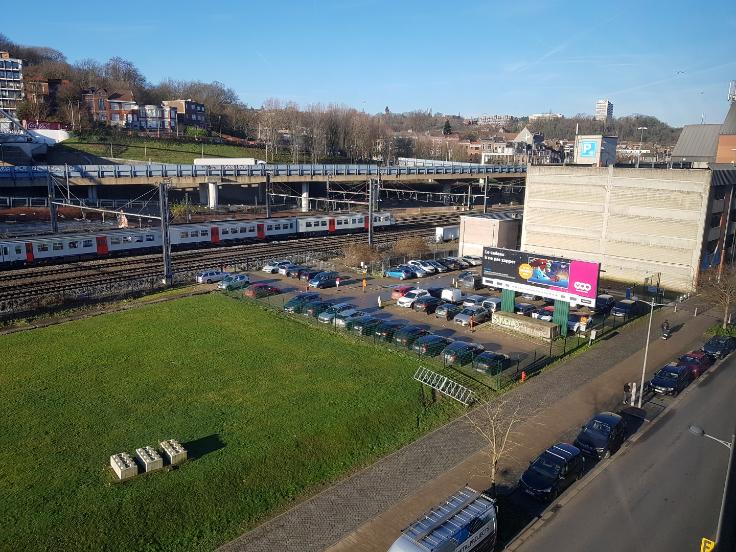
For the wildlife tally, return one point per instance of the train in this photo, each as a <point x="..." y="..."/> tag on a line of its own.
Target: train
<point x="125" y="241"/>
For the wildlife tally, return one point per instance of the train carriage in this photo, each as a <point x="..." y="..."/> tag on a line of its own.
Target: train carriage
<point x="12" y="252"/>
<point x="133" y="240"/>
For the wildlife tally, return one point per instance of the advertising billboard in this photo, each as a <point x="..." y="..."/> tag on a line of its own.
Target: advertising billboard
<point x="542" y="275"/>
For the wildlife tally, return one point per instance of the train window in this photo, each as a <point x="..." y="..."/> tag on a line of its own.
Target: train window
<point x="277" y="227"/>
<point x="291" y="225"/>
<point x="243" y="229"/>
<point x="183" y="234"/>
<point x="252" y="229"/>
<point x="139" y="239"/>
<point x="339" y="222"/>
<point x="58" y="246"/>
<point x="194" y="233"/>
<point x="308" y="224"/>
<point x="17" y="249"/>
<point x="224" y="231"/>
<point x="355" y="221"/>
<point x="269" y="227"/>
<point x="41" y="247"/>
<point x="87" y="243"/>
<point x="73" y="244"/>
<point x="5" y="250"/>
<point x="117" y="241"/>
<point x="149" y="237"/>
<point x="204" y="232"/>
<point x="324" y="223"/>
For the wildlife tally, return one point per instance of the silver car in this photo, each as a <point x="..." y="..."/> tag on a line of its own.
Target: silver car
<point x="234" y="281"/>
<point x="341" y="318"/>
<point x="272" y="267"/>
<point x="211" y="276"/>
<point x="473" y="300"/>
<point x="476" y="315"/>
<point x="328" y="316"/>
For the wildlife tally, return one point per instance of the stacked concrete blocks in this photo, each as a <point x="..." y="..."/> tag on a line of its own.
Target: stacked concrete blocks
<point x="123" y="466"/>
<point x="149" y="459"/>
<point x="173" y="451"/>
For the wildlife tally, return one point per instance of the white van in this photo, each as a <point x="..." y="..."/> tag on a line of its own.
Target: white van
<point x="493" y="304"/>
<point x="452" y="295"/>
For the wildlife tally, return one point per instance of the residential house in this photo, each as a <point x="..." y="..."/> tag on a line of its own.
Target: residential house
<point x="189" y="112"/>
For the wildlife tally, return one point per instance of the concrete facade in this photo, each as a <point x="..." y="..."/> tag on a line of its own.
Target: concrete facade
<point x="492" y="230"/>
<point x="634" y="222"/>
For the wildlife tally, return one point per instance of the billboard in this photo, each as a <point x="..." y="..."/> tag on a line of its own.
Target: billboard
<point x="542" y="275"/>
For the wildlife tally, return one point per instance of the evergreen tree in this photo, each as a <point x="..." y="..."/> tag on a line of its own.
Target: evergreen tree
<point x="447" y="129"/>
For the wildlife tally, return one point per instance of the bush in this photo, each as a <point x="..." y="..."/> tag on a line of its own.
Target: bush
<point x="354" y="254"/>
<point x="410" y="247"/>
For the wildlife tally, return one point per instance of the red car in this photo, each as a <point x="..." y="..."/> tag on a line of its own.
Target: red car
<point x="399" y="291"/>
<point x="697" y="361"/>
<point x="257" y="291"/>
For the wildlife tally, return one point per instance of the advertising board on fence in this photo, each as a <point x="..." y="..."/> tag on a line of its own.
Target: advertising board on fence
<point x="542" y="275"/>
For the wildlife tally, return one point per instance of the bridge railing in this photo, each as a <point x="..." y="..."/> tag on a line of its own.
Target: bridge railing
<point x="298" y="170"/>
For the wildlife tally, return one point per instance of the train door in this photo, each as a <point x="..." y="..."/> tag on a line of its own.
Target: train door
<point x="260" y="231"/>
<point x="365" y="222"/>
<point x="215" y="232"/>
<point x="29" y="252"/>
<point x="102" y="245"/>
<point x="331" y="225"/>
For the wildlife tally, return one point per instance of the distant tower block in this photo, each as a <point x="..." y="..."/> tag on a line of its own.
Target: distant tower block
<point x="173" y="451"/>
<point x="123" y="466"/>
<point x="150" y="459"/>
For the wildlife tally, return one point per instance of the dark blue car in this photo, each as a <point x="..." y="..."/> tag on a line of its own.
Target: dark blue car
<point x="552" y="472"/>
<point x="671" y="379"/>
<point x="720" y="346"/>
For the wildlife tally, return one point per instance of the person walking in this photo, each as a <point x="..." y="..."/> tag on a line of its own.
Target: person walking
<point x="365" y="284"/>
<point x="627" y="393"/>
<point x="380" y="305"/>
<point x="337" y="283"/>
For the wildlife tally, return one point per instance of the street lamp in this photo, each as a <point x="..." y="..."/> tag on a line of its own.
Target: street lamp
<point x="641" y="139"/>
<point x="651" y="304"/>
<point x="700" y="432"/>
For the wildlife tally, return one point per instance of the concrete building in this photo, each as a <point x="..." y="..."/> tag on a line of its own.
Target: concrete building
<point x="545" y="116"/>
<point x="489" y="230"/>
<point x="188" y="112"/>
<point x="638" y="223"/>
<point x="153" y="117"/>
<point x="11" y="83"/>
<point x="596" y="150"/>
<point x="489" y="120"/>
<point x="603" y="111"/>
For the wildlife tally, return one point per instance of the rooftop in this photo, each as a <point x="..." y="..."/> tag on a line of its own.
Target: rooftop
<point x="697" y="143"/>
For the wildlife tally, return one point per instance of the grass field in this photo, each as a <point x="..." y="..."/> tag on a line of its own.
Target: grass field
<point x="158" y="151"/>
<point x="270" y="409"/>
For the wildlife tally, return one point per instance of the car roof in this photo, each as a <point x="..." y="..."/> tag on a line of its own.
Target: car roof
<point x="566" y="451"/>
<point x="608" y="417"/>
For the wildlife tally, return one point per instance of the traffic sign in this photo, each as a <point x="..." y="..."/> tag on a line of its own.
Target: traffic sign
<point x="706" y="545"/>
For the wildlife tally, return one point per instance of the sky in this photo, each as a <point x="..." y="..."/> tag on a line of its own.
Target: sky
<point x="671" y="59"/>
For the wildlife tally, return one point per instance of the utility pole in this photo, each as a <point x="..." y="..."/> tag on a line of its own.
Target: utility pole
<point x="268" y="195"/>
<point x="370" y="211"/>
<point x="52" y="207"/>
<point x="485" y="195"/>
<point x="163" y="198"/>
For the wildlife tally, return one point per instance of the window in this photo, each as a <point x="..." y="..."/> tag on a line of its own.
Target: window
<point x="87" y="243"/>
<point x="204" y="232"/>
<point x="224" y="231"/>
<point x="5" y="250"/>
<point x="183" y="234"/>
<point x="149" y="237"/>
<point x="117" y="241"/>
<point x="17" y="250"/>
<point x="277" y="227"/>
<point x="269" y="227"/>
<point x="339" y="222"/>
<point x="308" y="224"/>
<point x="243" y="229"/>
<point x="41" y="247"/>
<point x="139" y="239"/>
<point x="252" y="229"/>
<point x="58" y="246"/>
<point x="324" y="223"/>
<point x="73" y="244"/>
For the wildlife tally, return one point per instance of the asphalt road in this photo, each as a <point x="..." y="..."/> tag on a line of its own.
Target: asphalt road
<point x="664" y="492"/>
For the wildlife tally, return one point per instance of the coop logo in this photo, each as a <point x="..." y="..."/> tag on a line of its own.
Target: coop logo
<point x="588" y="148"/>
<point x="582" y="286"/>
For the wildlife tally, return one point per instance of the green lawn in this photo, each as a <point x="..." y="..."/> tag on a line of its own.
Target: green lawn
<point x="271" y="407"/>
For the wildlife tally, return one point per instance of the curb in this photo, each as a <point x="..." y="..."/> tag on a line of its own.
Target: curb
<point x="533" y="526"/>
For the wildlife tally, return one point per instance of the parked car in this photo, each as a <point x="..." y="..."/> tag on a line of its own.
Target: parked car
<point x="324" y="280"/>
<point x="474" y="260"/>
<point x="452" y="295"/>
<point x="386" y="330"/>
<point x="299" y="301"/>
<point x="602" y="435"/>
<point x="327" y="315"/>
<point x="211" y="276"/>
<point x="295" y="272"/>
<point x="544" y="313"/>
<point x="427" y="304"/>
<point x="438" y="265"/>
<point x="285" y="269"/>
<point x="473" y="300"/>
<point x="720" y="346"/>
<point x="475" y="315"/>
<point x="626" y="308"/>
<point x="529" y="297"/>
<point x="462" y="262"/>
<point x="450" y="263"/>
<point x="524" y="309"/>
<point x="447" y="310"/>
<point x="272" y="267"/>
<point x="407" y="301"/>
<point x="399" y="272"/>
<point x="670" y="380"/>
<point x="315" y="308"/>
<point x="435" y="292"/>
<point x="493" y="304"/>
<point x="697" y="361"/>
<point x="604" y="303"/>
<point x="492" y="363"/>
<point x="399" y="291"/>
<point x="407" y="335"/>
<point x="363" y="325"/>
<point x="577" y="322"/>
<point x="552" y="472"/>
<point x="469" y="280"/>
<point x="418" y="271"/>
<point x="342" y="317"/>
<point x="422" y="265"/>
<point x="256" y="291"/>
<point x="234" y="281"/>
<point x="430" y="345"/>
<point x="461" y="352"/>
<point x="306" y="275"/>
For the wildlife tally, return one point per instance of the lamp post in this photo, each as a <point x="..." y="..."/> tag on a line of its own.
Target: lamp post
<point x="697" y="430"/>
<point x="651" y="304"/>
<point x="641" y="140"/>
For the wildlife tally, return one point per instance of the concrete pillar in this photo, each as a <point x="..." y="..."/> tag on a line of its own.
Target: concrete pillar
<point x="203" y="194"/>
<point x="212" y="194"/>
<point x="305" y="197"/>
<point x="92" y="193"/>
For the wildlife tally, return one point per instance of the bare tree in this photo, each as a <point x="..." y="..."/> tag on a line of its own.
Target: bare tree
<point x="496" y="422"/>
<point x="410" y="247"/>
<point x="719" y="285"/>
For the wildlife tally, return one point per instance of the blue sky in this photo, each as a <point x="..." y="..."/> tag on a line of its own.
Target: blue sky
<point x="669" y="59"/>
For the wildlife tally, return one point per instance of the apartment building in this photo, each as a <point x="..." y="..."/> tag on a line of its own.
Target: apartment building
<point x="11" y="83"/>
<point x="189" y="112"/>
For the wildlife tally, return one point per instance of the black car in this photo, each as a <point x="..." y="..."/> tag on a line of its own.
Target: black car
<point x="435" y="291"/>
<point x="407" y="335"/>
<point x="430" y="345"/>
<point x="447" y="310"/>
<point x="386" y="330"/>
<point x="451" y="264"/>
<point x="427" y="304"/>
<point x="492" y="363"/>
<point x="552" y="472"/>
<point x="461" y="352"/>
<point x="602" y="435"/>
<point x="604" y="303"/>
<point x="671" y="379"/>
<point x="308" y="274"/>
<point x="720" y="346"/>
<point x="299" y="301"/>
<point x="364" y="325"/>
<point x="315" y="308"/>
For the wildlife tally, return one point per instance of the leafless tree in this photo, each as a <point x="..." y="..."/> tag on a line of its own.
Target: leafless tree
<point x="720" y="287"/>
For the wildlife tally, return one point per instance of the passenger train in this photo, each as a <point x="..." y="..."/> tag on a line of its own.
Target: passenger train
<point x="68" y="247"/>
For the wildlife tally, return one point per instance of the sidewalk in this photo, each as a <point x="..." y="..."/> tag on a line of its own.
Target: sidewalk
<point x="367" y="511"/>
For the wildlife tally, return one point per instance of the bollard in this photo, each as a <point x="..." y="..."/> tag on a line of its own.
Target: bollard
<point x="523" y="376"/>
<point x="696" y="312"/>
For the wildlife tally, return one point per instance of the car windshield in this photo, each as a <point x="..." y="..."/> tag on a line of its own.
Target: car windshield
<point x="547" y="465"/>
<point x="411" y="295"/>
<point x="599" y="427"/>
<point x="669" y="374"/>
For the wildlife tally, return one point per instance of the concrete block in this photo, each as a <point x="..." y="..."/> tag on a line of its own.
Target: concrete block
<point x="173" y="451"/>
<point x="149" y="458"/>
<point x="123" y="466"/>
